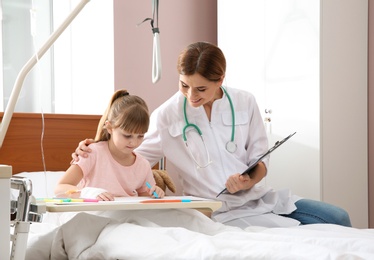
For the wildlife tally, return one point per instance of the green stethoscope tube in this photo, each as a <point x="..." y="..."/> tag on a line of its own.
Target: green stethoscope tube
<point x="230" y="146"/>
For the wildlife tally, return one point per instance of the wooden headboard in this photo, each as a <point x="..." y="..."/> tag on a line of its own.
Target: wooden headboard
<point x="62" y="132"/>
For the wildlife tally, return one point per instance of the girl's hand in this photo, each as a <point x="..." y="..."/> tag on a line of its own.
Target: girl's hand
<point x="96" y="193"/>
<point x="158" y="190"/>
<point x="105" y="196"/>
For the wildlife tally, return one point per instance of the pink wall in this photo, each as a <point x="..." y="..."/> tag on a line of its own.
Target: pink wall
<point x="181" y="22"/>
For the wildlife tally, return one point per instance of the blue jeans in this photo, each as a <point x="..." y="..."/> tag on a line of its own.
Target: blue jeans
<point x="313" y="212"/>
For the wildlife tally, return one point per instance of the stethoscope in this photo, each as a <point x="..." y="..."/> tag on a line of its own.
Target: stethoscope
<point x="230" y="145"/>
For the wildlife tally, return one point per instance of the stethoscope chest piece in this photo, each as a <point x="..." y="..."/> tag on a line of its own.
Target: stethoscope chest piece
<point x="231" y="146"/>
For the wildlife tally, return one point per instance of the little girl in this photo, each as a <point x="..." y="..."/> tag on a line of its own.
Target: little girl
<point x="114" y="169"/>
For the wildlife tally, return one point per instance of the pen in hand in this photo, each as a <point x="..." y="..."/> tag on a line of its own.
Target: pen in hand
<point x="149" y="186"/>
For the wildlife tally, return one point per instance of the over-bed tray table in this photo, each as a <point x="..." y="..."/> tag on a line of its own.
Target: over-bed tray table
<point x="28" y="210"/>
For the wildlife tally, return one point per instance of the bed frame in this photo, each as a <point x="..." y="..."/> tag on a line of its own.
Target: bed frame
<point x="22" y="147"/>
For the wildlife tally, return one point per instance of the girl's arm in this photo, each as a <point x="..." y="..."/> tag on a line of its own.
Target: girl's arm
<point x="67" y="186"/>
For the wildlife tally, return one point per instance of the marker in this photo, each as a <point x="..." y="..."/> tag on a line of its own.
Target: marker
<point x="84" y="200"/>
<point x="165" y="201"/>
<point x="62" y="200"/>
<point x="149" y="186"/>
<point x="51" y="200"/>
<point x="76" y="200"/>
<point x="81" y="200"/>
<point x="90" y="200"/>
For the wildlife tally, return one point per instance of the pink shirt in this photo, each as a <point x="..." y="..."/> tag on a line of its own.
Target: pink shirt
<point x="100" y="170"/>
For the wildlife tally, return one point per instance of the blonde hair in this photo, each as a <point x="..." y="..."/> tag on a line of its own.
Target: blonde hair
<point x="125" y="111"/>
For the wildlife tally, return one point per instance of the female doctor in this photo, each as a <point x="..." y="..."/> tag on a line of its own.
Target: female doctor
<point x="211" y="133"/>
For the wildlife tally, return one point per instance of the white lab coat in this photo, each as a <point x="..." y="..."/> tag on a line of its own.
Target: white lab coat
<point x="164" y="138"/>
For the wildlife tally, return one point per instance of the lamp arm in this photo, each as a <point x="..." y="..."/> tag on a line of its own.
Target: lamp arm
<point x="30" y="64"/>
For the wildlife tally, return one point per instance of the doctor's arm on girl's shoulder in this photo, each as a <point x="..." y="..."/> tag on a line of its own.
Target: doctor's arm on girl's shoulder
<point x="237" y="182"/>
<point x="82" y="149"/>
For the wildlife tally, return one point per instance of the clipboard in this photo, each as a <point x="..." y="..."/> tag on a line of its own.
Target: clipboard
<point x="253" y="165"/>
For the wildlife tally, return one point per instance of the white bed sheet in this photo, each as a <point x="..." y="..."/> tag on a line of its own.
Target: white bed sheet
<point x="180" y="234"/>
<point x="187" y="234"/>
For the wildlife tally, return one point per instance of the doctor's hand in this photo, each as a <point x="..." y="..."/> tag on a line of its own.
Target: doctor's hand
<point x="82" y="149"/>
<point x="238" y="182"/>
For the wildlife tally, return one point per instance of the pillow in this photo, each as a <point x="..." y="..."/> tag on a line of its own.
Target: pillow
<point x="43" y="183"/>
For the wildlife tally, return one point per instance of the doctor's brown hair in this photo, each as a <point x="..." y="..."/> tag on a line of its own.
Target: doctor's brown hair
<point x="203" y="58"/>
<point x="125" y="111"/>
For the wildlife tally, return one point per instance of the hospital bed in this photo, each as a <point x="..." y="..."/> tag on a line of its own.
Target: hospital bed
<point x="158" y="233"/>
<point x="38" y="147"/>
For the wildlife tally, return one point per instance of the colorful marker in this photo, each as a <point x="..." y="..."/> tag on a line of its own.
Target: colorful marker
<point x="52" y="200"/>
<point x="90" y="200"/>
<point x="62" y="200"/>
<point x="84" y="200"/>
<point x="149" y="186"/>
<point x="165" y="201"/>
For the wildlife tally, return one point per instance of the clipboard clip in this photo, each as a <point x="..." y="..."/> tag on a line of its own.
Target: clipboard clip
<point x="279" y="143"/>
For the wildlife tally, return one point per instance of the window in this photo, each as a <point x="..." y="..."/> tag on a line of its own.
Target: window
<point x="77" y="74"/>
